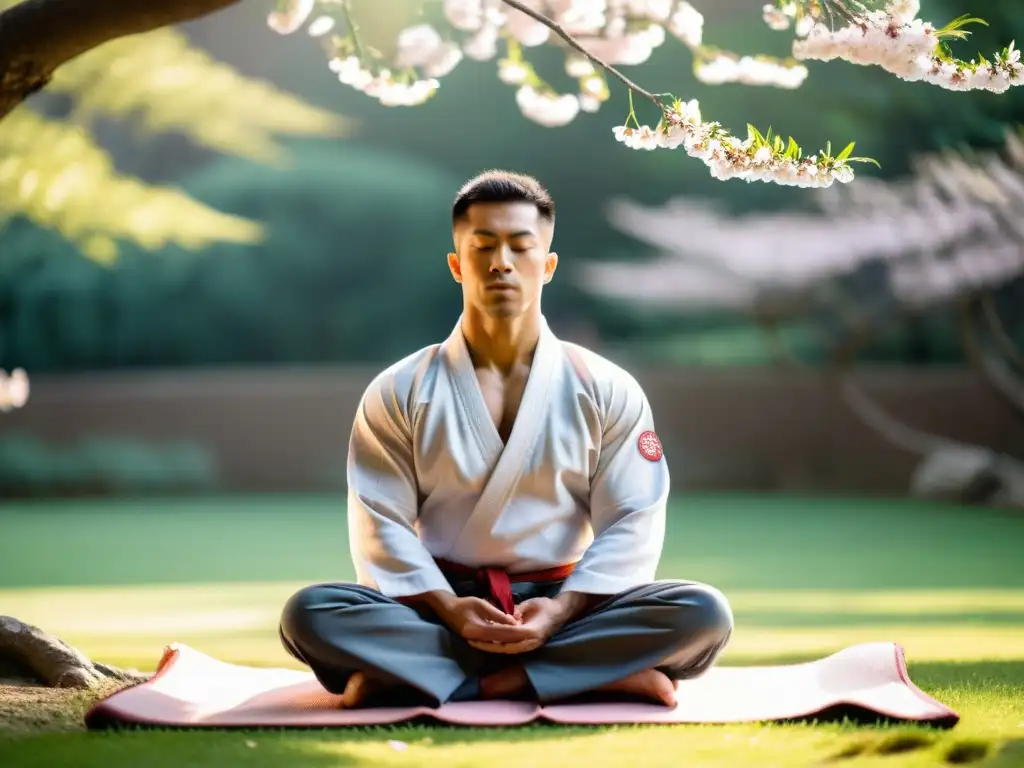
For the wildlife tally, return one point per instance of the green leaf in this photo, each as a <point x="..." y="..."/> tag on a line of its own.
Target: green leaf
<point x="954" y="28"/>
<point x="754" y="134"/>
<point x="863" y="160"/>
<point x="846" y="152"/>
<point x="963" y="21"/>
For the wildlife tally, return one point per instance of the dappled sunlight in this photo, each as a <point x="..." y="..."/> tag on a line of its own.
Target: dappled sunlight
<point x="238" y="622"/>
<point x="963" y="645"/>
<point x="57" y="176"/>
<point x="165" y="83"/>
<point x="934" y="643"/>
<point x="715" y="746"/>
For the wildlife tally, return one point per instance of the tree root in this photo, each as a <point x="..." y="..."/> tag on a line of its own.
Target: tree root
<point x="31" y="655"/>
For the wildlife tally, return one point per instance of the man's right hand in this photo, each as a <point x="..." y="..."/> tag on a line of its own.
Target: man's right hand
<point x="475" y="619"/>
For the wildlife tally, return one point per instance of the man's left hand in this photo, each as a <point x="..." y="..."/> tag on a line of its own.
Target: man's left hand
<point x="540" y="618"/>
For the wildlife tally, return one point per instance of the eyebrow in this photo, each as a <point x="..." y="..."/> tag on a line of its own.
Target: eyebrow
<point x="488" y="233"/>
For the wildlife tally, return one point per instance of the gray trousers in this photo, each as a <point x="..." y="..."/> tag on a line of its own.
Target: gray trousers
<point x="677" y="627"/>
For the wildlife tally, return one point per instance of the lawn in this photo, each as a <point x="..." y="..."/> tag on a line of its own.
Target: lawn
<point x="806" y="577"/>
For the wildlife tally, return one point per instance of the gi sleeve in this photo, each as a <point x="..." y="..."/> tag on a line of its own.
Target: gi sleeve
<point x="628" y="497"/>
<point x="383" y="499"/>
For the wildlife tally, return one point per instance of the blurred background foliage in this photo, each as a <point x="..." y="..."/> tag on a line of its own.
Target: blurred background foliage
<point x="353" y="210"/>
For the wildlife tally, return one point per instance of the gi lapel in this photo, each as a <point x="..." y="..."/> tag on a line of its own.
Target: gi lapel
<point x="529" y="425"/>
<point x="469" y="398"/>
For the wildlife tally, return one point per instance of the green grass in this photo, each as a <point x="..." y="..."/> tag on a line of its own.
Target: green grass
<point x="806" y="577"/>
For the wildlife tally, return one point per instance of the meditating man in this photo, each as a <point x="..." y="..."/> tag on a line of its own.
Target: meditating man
<point x="506" y="506"/>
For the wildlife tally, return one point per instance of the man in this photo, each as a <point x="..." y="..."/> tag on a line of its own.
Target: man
<point x="506" y="505"/>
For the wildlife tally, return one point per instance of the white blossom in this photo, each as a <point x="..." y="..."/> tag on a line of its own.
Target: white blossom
<point x="547" y="109"/>
<point x="904" y="11"/>
<point x="398" y="94"/>
<point x="512" y="72"/>
<point x="630" y="50"/>
<point x="775" y="18"/>
<point x="351" y="72"/>
<point x="422" y="46"/>
<point x="687" y="24"/>
<point x="417" y="46"/>
<point x="527" y="30"/>
<point x="14" y="389"/>
<point x="904" y="45"/>
<point x="465" y="14"/>
<point x="593" y="85"/>
<point x="320" y="26"/>
<point x="728" y="157"/>
<point x="290" y="15"/>
<point x="749" y="70"/>
<point x="382" y="85"/>
<point x="578" y="66"/>
<point x="448" y="57"/>
<point x="483" y="46"/>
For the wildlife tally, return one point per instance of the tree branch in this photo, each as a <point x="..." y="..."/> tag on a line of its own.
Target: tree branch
<point x="995" y="324"/>
<point x="994" y="370"/>
<point x="838" y="377"/>
<point x="38" y="36"/>
<point x="572" y="43"/>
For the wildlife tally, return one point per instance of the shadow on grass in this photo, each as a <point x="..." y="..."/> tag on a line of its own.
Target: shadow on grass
<point x="173" y="749"/>
<point x="957" y="752"/>
<point x="1008" y="755"/>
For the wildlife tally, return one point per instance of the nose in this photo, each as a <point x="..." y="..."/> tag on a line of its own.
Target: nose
<point x="501" y="260"/>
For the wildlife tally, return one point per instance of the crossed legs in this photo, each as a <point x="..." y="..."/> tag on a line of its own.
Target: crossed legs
<point x="677" y="628"/>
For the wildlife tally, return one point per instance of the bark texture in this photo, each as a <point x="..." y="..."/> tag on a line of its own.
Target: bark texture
<point x="38" y="36"/>
<point x="30" y="655"/>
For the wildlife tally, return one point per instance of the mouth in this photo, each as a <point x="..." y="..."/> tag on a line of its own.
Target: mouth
<point x="501" y="287"/>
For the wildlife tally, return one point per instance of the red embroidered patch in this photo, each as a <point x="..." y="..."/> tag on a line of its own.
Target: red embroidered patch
<point x="650" y="446"/>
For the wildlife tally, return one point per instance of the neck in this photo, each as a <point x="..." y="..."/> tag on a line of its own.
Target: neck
<point x="499" y="342"/>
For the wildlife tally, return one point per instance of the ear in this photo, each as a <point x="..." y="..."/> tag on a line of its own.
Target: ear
<point x="455" y="267"/>
<point x="550" y="265"/>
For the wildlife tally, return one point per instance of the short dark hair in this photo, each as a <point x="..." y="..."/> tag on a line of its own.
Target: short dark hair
<point x="497" y="186"/>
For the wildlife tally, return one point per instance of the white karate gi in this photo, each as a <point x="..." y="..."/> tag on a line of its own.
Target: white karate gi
<point x="581" y="479"/>
<point x="430" y="477"/>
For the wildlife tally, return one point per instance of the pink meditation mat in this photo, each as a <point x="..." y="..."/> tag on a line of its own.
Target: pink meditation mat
<point x="190" y="689"/>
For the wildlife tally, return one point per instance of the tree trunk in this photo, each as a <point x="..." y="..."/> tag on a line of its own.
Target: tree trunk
<point x="37" y="36"/>
<point x="30" y="655"/>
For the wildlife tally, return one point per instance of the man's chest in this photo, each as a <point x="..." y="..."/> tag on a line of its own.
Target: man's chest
<point x="557" y="443"/>
<point x="502" y="397"/>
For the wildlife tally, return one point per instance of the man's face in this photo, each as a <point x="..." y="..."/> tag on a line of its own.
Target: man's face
<point x="502" y="257"/>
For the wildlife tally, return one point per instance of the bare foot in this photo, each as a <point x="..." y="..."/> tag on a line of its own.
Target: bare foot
<point x="648" y="684"/>
<point x="507" y="683"/>
<point x="358" y="690"/>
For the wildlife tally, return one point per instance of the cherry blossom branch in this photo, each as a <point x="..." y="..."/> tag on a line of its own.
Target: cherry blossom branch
<point x="759" y="157"/>
<point x="572" y="43"/>
<point x="425" y="55"/>
<point x="899" y="42"/>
